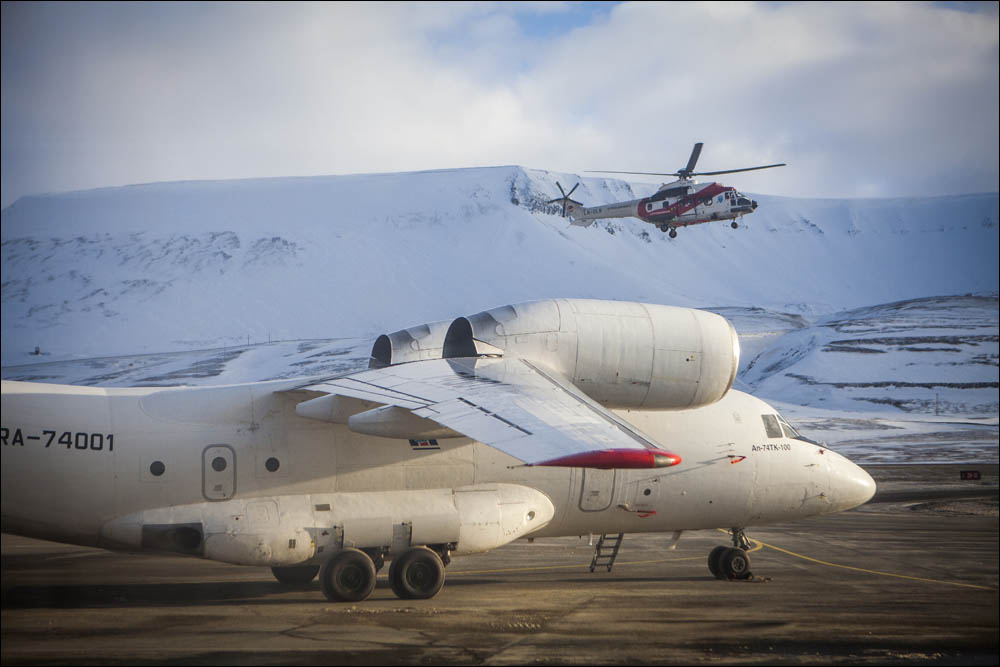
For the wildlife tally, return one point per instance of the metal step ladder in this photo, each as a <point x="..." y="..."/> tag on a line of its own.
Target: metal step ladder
<point x="607" y="550"/>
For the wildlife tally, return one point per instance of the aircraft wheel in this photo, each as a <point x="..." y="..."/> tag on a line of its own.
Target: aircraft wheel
<point x="378" y="558"/>
<point x="348" y="577"/>
<point x="417" y="574"/>
<point x="713" y="562"/>
<point x="734" y="225"/>
<point x="664" y="227"/>
<point x="734" y="563"/>
<point x="673" y="233"/>
<point x="300" y="575"/>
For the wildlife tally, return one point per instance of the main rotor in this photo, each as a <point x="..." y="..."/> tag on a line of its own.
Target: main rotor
<point x="688" y="171"/>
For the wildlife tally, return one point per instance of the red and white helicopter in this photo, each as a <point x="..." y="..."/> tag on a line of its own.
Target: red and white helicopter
<point x="680" y="203"/>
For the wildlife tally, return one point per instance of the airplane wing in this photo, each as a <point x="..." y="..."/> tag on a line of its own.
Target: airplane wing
<point x="518" y="407"/>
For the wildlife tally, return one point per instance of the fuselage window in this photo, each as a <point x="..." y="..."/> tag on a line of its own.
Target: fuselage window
<point x="771" y="426"/>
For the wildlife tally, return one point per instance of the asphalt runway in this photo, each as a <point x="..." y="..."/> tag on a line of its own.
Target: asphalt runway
<point x="901" y="583"/>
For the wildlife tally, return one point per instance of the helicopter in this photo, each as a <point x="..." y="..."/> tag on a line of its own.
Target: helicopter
<point x="680" y="203"/>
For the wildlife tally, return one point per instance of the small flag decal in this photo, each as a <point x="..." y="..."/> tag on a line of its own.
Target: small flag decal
<point x="421" y="445"/>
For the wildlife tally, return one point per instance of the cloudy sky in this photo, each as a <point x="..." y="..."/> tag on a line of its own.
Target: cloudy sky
<point x="860" y="99"/>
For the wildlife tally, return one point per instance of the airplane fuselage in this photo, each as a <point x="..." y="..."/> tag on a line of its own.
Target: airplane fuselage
<point x="130" y="468"/>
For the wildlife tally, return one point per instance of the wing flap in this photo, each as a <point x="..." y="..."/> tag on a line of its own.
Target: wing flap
<point x="531" y="413"/>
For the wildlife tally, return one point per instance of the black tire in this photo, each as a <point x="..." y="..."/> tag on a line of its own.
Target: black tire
<point x="348" y="576"/>
<point x="299" y="575"/>
<point x="735" y="564"/>
<point x="417" y="574"/>
<point x="734" y="224"/>
<point x="713" y="562"/>
<point x="673" y="233"/>
<point x="664" y="227"/>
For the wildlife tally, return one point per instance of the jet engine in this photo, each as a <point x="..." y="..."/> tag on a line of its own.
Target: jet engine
<point x="413" y="344"/>
<point x="622" y="354"/>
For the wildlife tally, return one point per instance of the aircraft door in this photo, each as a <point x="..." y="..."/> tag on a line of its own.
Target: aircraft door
<point x="597" y="489"/>
<point x="218" y="472"/>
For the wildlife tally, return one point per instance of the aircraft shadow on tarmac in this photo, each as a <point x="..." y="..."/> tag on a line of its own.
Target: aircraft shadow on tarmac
<point x="259" y="592"/>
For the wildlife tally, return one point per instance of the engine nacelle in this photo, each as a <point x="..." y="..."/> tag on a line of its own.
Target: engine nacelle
<point x="621" y="354"/>
<point x="414" y="344"/>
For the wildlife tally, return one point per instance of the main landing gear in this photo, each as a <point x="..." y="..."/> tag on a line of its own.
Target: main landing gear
<point x="731" y="562"/>
<point x="415" y="574"/>
<point x="734" y="224"/>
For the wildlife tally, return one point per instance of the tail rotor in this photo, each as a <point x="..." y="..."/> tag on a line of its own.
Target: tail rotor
<point x="564" y="200"/>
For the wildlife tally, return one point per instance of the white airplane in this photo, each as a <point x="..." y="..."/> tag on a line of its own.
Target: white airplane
<point x="549" y="418"/>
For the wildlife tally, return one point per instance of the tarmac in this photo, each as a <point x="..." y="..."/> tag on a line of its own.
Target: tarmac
<point x="910" y="580"/>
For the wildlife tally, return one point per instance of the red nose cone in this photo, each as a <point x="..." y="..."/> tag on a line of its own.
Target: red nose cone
<point x="615" y="458"/>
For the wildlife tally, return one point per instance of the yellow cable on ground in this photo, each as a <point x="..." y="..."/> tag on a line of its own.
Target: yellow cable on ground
<point x="884" y="574"/>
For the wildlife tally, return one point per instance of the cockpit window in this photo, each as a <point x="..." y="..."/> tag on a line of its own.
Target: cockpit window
<point x="789" y="431"/>
<point x="771" y="426"/>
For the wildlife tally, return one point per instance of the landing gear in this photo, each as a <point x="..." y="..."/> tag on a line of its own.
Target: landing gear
<point x="348" y="576"/>
<point x="672" y="233"/>
<point x="417" y="574"/>
<point x="664" y="227"/>
<point x="731" y="562"/>
<point x="734" y="224"/>
<point x="295" y="576"/>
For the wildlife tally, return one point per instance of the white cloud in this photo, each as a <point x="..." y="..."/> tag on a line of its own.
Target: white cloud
<point x="859" y="99"/>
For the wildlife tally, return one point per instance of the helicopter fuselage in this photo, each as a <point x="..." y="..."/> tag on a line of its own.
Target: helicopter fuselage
<point x="677" y="204"/>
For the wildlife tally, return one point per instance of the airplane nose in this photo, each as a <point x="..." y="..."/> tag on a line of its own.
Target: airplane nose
<point x="850" y="486"/>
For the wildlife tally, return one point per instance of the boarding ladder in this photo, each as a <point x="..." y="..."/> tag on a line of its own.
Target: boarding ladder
<point x="607" y="550"/>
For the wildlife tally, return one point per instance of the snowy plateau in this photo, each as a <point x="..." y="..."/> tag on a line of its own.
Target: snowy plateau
<point x="872" y="323"/>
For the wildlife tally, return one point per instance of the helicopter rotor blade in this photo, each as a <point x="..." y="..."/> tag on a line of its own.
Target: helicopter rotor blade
<point x="564" y="200"/>
<point x="733" y="171"/>
<point x="693" y="160"/>
<point x="641" y="173"/>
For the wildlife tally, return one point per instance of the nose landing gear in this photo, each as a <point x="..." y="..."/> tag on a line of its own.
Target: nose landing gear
<point x="731" y="562"/>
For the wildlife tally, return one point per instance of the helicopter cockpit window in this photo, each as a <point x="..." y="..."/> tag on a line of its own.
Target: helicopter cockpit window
<point x="771" y="426"/>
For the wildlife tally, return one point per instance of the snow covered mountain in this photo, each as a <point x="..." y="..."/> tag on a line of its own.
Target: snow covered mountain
<point x="838" y="302"/>
<point x="180" y="266"/>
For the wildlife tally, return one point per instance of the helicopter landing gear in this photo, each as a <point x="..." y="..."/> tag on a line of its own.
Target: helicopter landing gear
<point x="731" y="562"/>
<point x="734" y="224"/>
<point x="672" y="233"/>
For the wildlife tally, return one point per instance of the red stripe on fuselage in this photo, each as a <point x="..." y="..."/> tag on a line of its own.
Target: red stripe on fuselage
<point x="688" y="202"/>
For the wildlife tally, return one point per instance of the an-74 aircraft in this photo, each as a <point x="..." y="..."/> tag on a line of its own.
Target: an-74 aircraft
<point x="549" y="418"/>
<point x="680" y="203"/>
